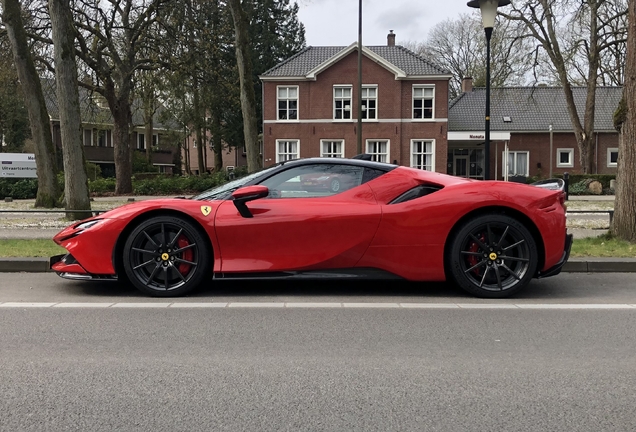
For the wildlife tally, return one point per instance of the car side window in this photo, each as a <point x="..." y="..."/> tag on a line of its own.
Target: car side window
<point x="317" y="180"/>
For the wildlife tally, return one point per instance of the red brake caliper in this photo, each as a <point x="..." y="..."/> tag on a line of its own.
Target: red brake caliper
<point x="472" y="259"/>
<point x="187" y="255"/>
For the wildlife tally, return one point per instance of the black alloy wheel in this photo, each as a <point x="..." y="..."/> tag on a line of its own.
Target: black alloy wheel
<point x="493" y="256"/>
<point x="166" y="256"/>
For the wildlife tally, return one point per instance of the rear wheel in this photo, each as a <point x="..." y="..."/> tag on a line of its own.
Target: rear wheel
<point x="493" y="256"/>
<point x="166" y="256"/>
<point x="335" y="185"/>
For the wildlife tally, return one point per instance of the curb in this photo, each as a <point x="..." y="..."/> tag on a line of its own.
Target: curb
<point x="574" y="265"/>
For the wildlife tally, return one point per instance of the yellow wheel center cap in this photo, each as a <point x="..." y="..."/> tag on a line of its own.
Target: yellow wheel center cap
<point x="165" y="256"/>
<point x="493" y="256"/>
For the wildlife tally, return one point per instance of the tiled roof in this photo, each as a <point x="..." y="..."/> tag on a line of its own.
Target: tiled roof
<point x="91" y="113"/>
<point x="530" y="109"/>
<point x="310" y="57"/>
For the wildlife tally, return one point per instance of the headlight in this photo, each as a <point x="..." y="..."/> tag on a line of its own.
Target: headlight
<point x="86" y="225"/>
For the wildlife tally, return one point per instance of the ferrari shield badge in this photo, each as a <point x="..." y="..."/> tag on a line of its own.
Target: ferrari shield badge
<point x="206" y="210"/>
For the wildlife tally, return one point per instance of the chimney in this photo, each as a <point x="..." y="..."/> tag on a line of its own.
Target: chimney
<point x="467" y="84"/>
<point x="390" y="38"/>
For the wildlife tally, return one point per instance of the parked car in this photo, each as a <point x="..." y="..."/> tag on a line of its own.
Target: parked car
<point x="491" y="238"/>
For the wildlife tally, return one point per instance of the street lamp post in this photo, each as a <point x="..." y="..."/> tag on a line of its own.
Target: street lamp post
<point x="359" y="137"/>
<point x="488" y="15"/>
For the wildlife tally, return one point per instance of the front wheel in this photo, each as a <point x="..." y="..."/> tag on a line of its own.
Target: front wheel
<point x="493" y="256"/>
<point x="166" y="256"/>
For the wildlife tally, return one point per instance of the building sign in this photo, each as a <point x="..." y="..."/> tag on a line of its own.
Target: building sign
<point x="478" y="136"/>
<point x="17" y="165"/>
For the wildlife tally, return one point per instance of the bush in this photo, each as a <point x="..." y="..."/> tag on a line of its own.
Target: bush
<point x="140" y="163"/>
<point x="101" y="185"/>
<point x="24" y="189"/>
<point x="149" y="185"/>
<point x="93" y="171"/>
<point x="578" y="188"/>
<point x="603" y="178"/>
<point x="177" y="185"/>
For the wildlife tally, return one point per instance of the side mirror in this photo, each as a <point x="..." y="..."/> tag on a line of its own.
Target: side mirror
<point x="248" y="193"/>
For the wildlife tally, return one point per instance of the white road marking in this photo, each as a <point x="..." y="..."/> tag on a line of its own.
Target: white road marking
<point x="198" y="305"/>
<point x="312" y="305"/>
<point x="318" y="305"/>
<point x="257" y="305"/>
<point x="82" y="305"/>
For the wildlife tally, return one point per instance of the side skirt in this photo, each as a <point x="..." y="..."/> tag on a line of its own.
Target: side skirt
<point x="351" y="273"/>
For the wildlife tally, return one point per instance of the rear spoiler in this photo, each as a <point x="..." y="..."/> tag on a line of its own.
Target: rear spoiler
<point x="551" y="184"/>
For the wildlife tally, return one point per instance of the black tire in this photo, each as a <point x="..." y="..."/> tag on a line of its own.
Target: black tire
<point x="492" y="256"/>
<point x="335" y="185"/>
<point x="166" y="256"/>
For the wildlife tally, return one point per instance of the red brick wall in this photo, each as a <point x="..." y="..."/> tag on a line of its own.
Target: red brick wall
<point x="394" y="103"/>
<point x="538" y="144"/>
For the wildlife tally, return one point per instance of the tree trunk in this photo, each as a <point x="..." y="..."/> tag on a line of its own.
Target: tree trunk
<point x="624" y="224"/>
<point x="197" y="127"/>
<point x="149" y="111"/>
<point x="248" y="99"/>
<point x="121" y="142"/>
<point x="48" y="190"/>
<point x="76" y="193"/>
<point x="217" y="143"/>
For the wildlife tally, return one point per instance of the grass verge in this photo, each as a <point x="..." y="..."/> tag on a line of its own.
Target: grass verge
<point x="29" y="248"/>
<point x="602" y="246"/>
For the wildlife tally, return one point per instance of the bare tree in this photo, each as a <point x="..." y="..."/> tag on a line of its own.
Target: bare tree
<point x="110" y="36"/>
<point x="76" y="193"/>
<point x="248" y="99"/>
<point x="624" y="223"/>
<point x="459" y="45"/>
<point x="48" y="190"/>
<point x="562" y="30"/>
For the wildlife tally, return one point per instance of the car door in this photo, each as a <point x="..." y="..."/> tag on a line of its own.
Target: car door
<point x="298" y="227"/>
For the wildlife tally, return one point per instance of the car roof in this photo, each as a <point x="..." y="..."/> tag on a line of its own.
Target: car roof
<point x="340" y="161"/>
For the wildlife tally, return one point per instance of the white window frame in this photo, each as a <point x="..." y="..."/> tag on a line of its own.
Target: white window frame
<point x="107" y="142"/>
<point x="296" y="154"/>
<point x="278" y="99"/>
<point x="143" y="134"/>
<point x="422" y="86"/>
<point x="90" y="144"/>
<point x="569" y="164"/>
<point x="388" y="149"/>
<point x="503" y="164"/>
<point x="611" y="150"/>
<point x="432" y="153"/>
<point x="365" y="89"/>
<point x="343" y="99"/>
<point x="323" y="153"/>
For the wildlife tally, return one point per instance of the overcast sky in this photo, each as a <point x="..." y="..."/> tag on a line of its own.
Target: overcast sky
<point x="335" y="22"/>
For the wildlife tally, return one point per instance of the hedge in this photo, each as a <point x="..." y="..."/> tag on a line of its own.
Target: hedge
<point x="578" y="178"/>
<point x="147" y="185"/>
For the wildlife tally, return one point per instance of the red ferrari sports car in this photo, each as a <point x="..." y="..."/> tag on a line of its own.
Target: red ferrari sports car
<point x="489" y="237"/>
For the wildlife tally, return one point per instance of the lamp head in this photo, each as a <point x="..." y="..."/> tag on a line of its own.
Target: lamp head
<point x="488" y="10"/>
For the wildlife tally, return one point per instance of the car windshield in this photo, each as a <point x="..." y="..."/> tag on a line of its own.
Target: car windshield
<point x="225" y="190"/>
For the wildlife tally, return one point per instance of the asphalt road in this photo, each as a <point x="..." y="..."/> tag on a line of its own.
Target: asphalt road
<point x="317" y="368"/>
<point x="590" y="288"/>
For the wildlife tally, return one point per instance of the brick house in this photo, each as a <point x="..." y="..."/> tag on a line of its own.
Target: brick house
<point x="310" y="110"/>
<point x="521" y="119"/>
<point x="97" y="126"/>
<point x="310" y="106"/>
<point x="232" y="157"/>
